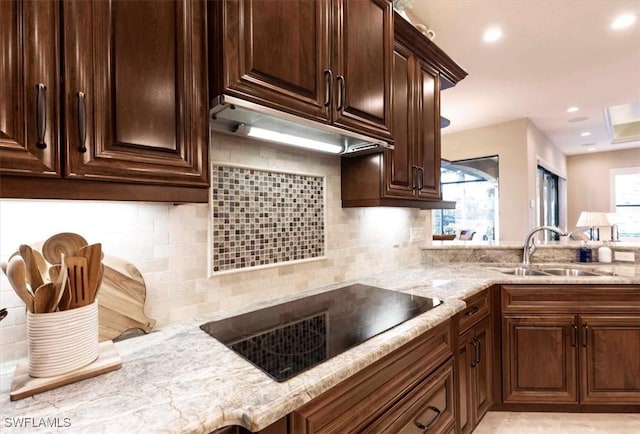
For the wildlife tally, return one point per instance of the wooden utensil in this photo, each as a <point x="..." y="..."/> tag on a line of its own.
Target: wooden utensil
<point x="65" y="242"/>
<point x="17" y="276"/>
<point x="32" y="271"/>
<point x="60" y="283"/>
<point x="93" y="253"/>
<point x="44" y="298"/>
<point x="54" y="272"/>
<point x="78" y="281"/>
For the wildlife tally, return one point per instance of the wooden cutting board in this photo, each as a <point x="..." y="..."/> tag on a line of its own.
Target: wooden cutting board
<point x="121" y="298"/>
<point x="23" y="385"/>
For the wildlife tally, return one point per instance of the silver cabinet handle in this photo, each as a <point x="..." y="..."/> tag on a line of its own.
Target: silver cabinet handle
<point x="329" y="90"/>
<point x="574" y="339"/>
<point x="429" y="424"/>
<point x="585" y="335"/>
<point x="341" y="89"/>
<point x="82" y="122"/>
<point x="41" y="115"/>
<point x="421" y="169"/>
<point x="478" y="351"/>
<point x="414" y="181"/>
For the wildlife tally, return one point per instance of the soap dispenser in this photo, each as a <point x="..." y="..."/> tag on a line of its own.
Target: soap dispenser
<point x="604" y="253"/>
<point x="584" y="253"/>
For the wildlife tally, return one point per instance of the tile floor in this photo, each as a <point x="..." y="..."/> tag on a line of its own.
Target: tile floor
<point x="500" y="422"/>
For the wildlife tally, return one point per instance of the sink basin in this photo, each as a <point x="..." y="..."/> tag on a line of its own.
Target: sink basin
<point x="572" y="272"/>
<point x="552" y="271"/>
<point x="521" y="271"/>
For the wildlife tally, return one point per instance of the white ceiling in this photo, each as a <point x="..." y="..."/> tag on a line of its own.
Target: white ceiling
<point x="554" y="54"/>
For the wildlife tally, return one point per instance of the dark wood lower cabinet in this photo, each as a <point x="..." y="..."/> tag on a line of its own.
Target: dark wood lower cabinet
<point x="539" y="359"/>
<point x="610" y="358"/>
<point x="412" y="384"/>
<point x="474" y="362"/>
<point x="572" y="347"/>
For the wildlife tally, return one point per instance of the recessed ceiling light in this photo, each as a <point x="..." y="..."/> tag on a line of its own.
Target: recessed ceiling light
<point x="591" y="149"/>
<point x="572" y="109"/>
<point x="492" y="34"/>
<point x="623" y="21"/>
<point x="585" y="134"/>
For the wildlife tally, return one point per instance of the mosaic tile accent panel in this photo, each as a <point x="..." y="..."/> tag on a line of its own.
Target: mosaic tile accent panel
<point x="262" y="217"/>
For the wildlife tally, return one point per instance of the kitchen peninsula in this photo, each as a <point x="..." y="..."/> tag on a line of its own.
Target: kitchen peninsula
<point x="180" y="379"/>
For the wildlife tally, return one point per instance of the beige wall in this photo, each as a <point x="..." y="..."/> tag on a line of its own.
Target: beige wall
<point x="169" y="243"/>
<point x="588" y="179"/>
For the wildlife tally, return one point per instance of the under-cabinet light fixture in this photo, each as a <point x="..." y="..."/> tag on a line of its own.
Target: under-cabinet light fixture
<point x="289" y="139"/>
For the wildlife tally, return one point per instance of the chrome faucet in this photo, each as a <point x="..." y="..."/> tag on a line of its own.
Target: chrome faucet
<point x="530" y="242"/>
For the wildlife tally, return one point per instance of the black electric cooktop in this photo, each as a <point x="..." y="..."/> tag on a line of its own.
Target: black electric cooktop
<point x="286" y="339"/>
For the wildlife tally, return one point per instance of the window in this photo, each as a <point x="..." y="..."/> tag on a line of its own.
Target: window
<point x="626" y="195"/>
<point x="473" y="185"/>
<point x="548" y="213"/>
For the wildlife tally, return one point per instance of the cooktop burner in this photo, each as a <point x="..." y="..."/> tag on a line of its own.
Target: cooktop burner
<point x="286" y="339"/>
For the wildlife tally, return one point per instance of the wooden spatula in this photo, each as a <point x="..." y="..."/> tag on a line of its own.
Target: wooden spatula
<point x="93" y="253"/>
<point x="33" y="272"/>
<point x="78" y="281"/>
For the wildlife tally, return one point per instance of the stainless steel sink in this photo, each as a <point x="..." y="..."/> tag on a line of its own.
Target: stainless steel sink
<point x="572" y="272"/>
<point x="521" y="271"/>
<point x="551" y="271"/>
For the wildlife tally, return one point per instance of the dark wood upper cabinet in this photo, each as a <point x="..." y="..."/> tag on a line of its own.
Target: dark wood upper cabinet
<point x="408" y="175"/>
<point x="362" y="65"/>
<point x="29" y="90"/>
<point x="326" y="60"/>
<point x="133" y="100"/>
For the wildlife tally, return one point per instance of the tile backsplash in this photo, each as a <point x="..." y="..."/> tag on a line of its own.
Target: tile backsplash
<point x="171" y="244"/>
<point x="262" y="218"/>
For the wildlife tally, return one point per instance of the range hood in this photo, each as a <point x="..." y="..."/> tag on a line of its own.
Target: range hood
<point x="237" y="116"/>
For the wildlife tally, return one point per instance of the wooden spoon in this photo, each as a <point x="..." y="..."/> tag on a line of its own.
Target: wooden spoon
<point x="33" y="272"/>
<point x="93" y="253"/>
<point x="17" y="276"/>
<point x="65" y="242"/>
<point x="78" y="281"/>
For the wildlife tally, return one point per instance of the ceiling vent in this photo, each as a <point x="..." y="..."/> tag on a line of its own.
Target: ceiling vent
<point x="623" y="122"/>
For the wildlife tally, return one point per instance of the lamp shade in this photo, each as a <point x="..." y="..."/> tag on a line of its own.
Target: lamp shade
<point x="592" y="219"/>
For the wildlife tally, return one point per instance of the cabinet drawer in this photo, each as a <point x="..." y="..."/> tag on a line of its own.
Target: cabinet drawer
<point x="427" y="408"/>
<point x="570" y="298"/>
<point x="478" y="307"/>
<point x="356" y="402"/>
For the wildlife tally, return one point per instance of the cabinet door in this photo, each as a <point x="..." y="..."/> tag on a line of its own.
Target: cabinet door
<point x="399" y="170"/>
<point x="466" y="364"/>
<point x="539" y="359"/>
<point x="362" y="66"/>
<point x="610" y="359"/>
<point x="29" y="88"/>
<point x="276" y="53"/>
<point x="135" y="103"/>
<point x="482" y="370"/>
<point x="428" y="132"/>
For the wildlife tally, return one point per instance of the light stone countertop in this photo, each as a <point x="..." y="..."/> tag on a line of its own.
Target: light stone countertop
<point x="179" y="379"/>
